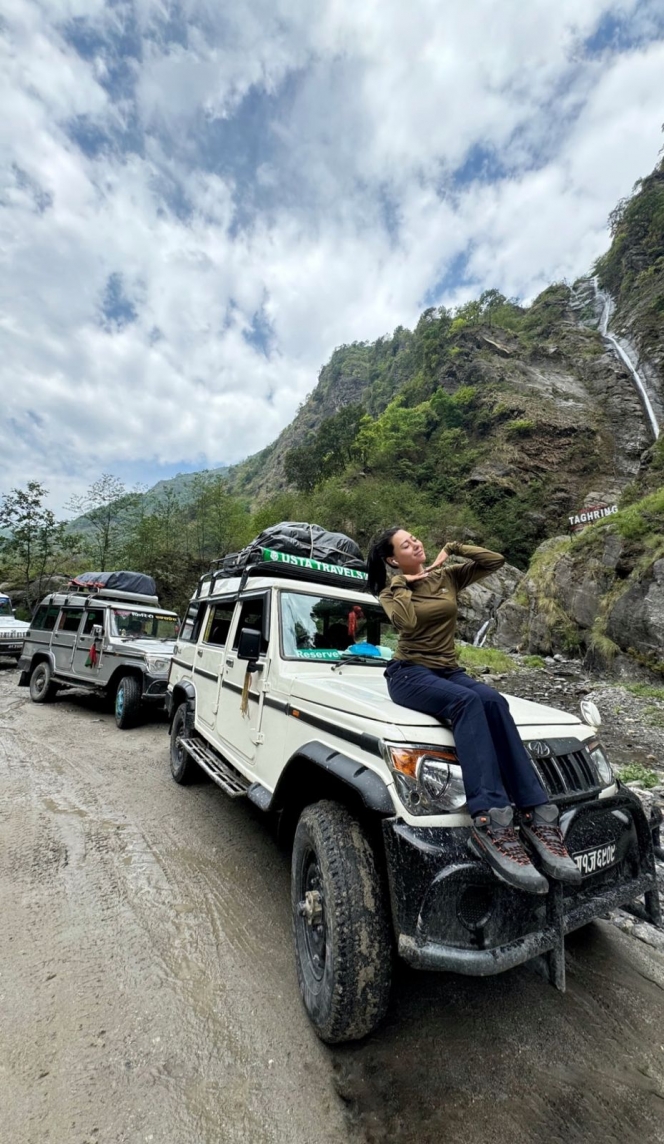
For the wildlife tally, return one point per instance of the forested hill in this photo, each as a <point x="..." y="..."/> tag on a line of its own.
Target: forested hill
<point x="493" y="423"/>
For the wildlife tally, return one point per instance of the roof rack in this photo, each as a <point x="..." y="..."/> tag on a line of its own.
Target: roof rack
<point x="269" y="562"/>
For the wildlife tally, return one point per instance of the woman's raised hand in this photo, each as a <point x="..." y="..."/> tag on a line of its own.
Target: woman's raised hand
<point x="440" y="559"/>
<point x="418" y="576"/>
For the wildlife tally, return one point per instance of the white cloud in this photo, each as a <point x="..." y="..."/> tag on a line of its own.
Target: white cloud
<point x="244" y="190"/>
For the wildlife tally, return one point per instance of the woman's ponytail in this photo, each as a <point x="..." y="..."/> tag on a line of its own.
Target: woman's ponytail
<point x="378" y="553"/>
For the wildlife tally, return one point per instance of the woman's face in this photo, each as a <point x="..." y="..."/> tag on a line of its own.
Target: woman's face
<point x="407" y="553"/>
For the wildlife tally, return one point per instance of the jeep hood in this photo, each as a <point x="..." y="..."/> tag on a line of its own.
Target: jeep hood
<point x="9" y="624"/>
<point x="367" y="698"/>
<point x="147" y="646"/>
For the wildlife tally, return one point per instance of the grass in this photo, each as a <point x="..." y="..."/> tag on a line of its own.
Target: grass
<point x="478" y="657"/>
<point x="635" y="773"/>
<point x="645" y="690"/>
<point x="532" y="661"/>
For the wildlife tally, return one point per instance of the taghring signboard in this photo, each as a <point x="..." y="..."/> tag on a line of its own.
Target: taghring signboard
<point x="590" y="514"/>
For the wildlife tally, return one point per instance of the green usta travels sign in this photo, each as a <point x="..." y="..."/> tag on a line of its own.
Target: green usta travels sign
<point x="269" y="554"/>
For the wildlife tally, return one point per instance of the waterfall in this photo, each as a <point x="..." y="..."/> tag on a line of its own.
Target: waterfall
<point x="481" y="635"/>
<point x="607" y="310"/>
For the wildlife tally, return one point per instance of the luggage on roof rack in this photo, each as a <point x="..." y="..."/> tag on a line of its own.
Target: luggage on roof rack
<point x="297" y="550"/>
<point x="136" y="582"/>
<point x="310" y="541"/>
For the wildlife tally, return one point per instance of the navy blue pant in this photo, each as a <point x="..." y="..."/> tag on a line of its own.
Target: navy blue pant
<point x="496" y="767"/>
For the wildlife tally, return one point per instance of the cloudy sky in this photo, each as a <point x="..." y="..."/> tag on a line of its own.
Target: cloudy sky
<point x="200" y="199"/>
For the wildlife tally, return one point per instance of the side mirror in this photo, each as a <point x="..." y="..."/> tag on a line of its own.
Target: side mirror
<point x="249" y="647"/>
<point x="97" y="631"/>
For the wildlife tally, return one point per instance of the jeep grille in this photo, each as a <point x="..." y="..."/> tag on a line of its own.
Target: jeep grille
<point x="567" y="774"/>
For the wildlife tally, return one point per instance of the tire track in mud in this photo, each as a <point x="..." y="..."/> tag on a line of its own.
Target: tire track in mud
<point x="165" y="931"/>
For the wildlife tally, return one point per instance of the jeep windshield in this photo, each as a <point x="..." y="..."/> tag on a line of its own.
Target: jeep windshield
<point x="6" y="607"/>
<point x="326" y="628"/>
<point x="131" y="624"/>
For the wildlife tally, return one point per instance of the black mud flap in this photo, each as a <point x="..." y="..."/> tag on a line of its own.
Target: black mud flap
<point x="555" y="920"/>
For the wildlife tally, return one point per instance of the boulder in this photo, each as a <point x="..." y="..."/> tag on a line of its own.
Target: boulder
<point x="636" y="619"/>
<point x="511" y="627"/>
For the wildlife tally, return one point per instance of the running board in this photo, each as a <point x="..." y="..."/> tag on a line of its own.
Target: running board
<point x="221" y="773"/>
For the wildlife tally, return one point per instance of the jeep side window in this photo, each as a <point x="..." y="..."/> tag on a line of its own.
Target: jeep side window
<point x="252" y="615"/>
<point x="91" y="619"/>
<point x="39" y="617"/>
<point x="219" y="623"/>
<point x="192" y="623"/>
<point x="69" y="620"/>
<point x="49" y="617"/>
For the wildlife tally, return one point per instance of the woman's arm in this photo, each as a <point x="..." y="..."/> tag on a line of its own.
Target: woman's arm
<point x="397" y="600"/>
<point x="480" y="562"/>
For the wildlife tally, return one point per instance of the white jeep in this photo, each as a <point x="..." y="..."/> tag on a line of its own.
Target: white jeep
<point x="276" y="692"/>
<point x="12" y="631"/>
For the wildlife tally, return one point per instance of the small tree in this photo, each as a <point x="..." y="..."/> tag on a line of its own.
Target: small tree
<point x="107" y="507"/>
<point x="37" y="545"/>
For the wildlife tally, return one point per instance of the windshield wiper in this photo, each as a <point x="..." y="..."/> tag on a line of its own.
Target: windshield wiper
<point x="363" y="659"/>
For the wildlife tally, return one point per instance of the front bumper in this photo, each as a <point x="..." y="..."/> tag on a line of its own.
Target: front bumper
<point x="10" y="651"/>
<point x="451" y="913"/>
<point x="154" y="688"/>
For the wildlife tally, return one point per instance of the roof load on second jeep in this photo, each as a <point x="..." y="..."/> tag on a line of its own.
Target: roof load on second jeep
<point x="135" y="582"/>
<point x="297" y="551"/>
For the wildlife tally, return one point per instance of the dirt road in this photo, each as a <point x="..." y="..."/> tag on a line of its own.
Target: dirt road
<point x="147" y="989"/>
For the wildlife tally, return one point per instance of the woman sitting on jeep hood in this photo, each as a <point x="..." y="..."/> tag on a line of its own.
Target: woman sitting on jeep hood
<point x="424" y="675"/>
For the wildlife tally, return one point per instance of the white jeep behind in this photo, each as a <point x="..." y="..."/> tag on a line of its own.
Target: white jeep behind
<point x="276" y="691"/>
<point x="12" y="631"/>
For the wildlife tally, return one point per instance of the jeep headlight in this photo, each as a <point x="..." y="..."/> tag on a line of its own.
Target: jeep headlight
<point x="601" y="763"/>
<point x="157" y="664"/>
<point x="427" y="779"/>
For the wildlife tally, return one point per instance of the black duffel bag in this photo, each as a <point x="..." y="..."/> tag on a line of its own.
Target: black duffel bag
<point x="300" y="539"/>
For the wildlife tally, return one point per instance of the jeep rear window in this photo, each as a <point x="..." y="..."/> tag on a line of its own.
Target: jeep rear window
<point x="323" y="627"/>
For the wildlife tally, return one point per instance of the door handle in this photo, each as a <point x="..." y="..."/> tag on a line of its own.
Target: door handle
<point x="229" y="662"/>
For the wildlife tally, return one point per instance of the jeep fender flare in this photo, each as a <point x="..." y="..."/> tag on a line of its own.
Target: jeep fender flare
<point x="183" y="692"/>
<point x="45" y="656"/>
<point x="361" y="779"/>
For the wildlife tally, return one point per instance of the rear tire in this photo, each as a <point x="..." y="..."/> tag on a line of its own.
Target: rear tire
<point x="183" y="768"/>
<point x="127" y="702"/>
<point x="343" y="945"/>
<point x="42" y="688"/>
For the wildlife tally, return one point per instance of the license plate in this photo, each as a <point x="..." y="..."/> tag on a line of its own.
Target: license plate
<point x="591" y="861"/>
<point x="10" y="647"/>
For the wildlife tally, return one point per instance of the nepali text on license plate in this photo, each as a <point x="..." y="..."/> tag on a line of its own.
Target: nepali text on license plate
<point x="12" y="646"/>
<point x="590" y="861"/>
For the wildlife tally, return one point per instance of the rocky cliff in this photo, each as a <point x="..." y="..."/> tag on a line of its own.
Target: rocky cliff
<point x="601" y="593"/>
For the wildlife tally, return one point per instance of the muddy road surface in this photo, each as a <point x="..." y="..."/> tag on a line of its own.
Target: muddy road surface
<point x="147" y="987"/>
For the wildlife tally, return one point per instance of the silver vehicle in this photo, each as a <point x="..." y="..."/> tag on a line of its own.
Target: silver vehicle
<point x="114" y="642"/>
<point x="12" y="631"/>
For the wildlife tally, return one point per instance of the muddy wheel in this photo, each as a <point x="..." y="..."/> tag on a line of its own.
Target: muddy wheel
<point x="42" y="688"/>
<point x="183" y="768"/>
<point x="127" y="702"/>
<point x="343" y="948"/>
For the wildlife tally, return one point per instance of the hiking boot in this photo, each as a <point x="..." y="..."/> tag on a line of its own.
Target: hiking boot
<point x="540" y="827"/>
<point x="492" y="837"/>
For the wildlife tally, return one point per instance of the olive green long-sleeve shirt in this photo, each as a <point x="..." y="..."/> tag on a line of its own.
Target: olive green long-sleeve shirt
<point x="425" y="613"/>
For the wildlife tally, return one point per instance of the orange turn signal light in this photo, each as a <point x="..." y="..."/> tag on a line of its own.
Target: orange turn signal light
<point x="405" y="759"/>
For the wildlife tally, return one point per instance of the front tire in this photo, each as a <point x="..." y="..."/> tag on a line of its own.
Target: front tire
<point x="343" y="947"/>
<point x="183" y="768"/>
<point x="42" y="688"/>
<point x="127" y="702"/>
